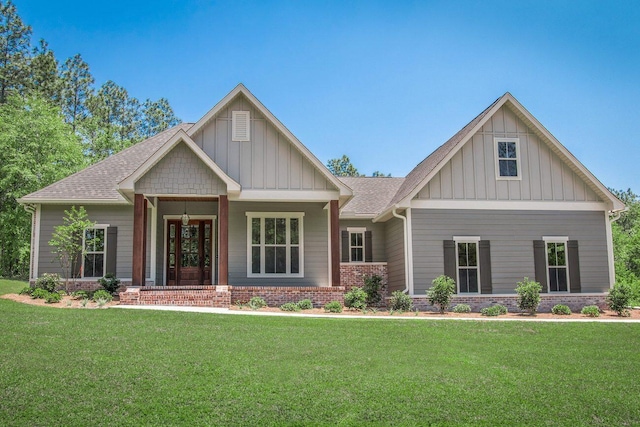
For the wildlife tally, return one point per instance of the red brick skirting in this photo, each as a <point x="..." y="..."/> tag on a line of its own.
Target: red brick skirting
<point x="574" y="301"/>
<point x="352" y="274"/>
<point x="275" y="296"/>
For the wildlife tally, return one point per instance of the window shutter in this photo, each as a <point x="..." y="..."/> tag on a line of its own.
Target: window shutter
<point x="345" y="246"/>
<point x="449" y="247"/>
<point x="112" y="246"/>
<point x="241" y="126"/>
<point x="540" y="263"/>
<point x="574" y="266"/>
<point x="368" y="246"/>
<point x="485" y="266"/>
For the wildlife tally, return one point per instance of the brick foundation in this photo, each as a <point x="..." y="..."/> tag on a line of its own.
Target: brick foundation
<point x="574" y="301"/>
<point x="193" y="296"/>
<point x="352" y="274"/>
<point x="275" y="296"/>
<point x="90" y="285"/>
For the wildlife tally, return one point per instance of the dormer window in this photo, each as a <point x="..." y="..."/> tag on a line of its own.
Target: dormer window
<point x="240" y="126"/>
<point x="507" y="158"/>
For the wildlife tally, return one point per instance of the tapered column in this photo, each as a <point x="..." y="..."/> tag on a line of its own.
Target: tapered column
<point x="335" y="242"/>
<point x="223" y="240"/>
<point x="139" y="240"/>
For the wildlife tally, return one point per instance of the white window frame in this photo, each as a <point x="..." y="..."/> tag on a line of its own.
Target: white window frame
<point x="565" y="241"/>
<point x="467" y="239"/>
<point x="236" y="117"/>
<point x="103" y="252"/>
<point x="357" y="230"/>
<point x="498" y="158"/>
<point x="287" y="215"/>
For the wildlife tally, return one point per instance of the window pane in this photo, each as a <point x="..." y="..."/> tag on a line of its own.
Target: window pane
<point x="172" y="260"/>
<point x="553" y="279"/>
<point x="508" y="168"/>
<point x="269" y="231"/>
<point x="295" y="260"/>
<point x="356" y="239"/>
<point x="356" y="255"/>
<point x="293" y="225"/>
<point x="255" y="231"/>
<point x="99" y="265"/>
<point x="281" y="231"/>
<point x="207" y="231"/>
<point x="511" y="150"/>
<point x="269" y="259"/>
<point x="502" y="150"/>
<point x="472" y="255"/>
<point x="464" y="280"/>
<point x="551" y="254"/>
<point x="172" y="231"/>
<point x="562" y="279"/>
<point x="255" y="259"/>
<point x="88" y="265"/>
<point x="281" y="259"/>
<point x="473" y="280"/>
<point x="462" y="254"/>
<point x="99" y="240"/>
<point x="560" y="254"/>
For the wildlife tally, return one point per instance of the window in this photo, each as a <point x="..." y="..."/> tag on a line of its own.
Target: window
<point x="240" y="126"/>
<point x="467" y="264"/>
<point x="356" y="244"/>
<point x="94" y="249"/>
<point x="507" y="158"/>
<point x="557" y="271"/>
<point x="275" y="244"/>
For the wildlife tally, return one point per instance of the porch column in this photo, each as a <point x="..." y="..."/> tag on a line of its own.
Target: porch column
<point x="139" y="240"/>
<point x="334" y="214"/>
<point x="223" y="240"/>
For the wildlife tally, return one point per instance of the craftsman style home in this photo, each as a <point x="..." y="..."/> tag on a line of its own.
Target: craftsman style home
<point x="235" y="205"/>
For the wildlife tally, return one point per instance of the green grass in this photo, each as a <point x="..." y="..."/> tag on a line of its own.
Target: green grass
<point x="128" y="367"/>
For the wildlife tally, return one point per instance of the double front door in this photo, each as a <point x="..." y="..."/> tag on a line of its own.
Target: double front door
<point x="190" y="258"/>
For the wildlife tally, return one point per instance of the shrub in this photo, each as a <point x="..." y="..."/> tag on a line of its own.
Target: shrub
<point x="26" y="290"/>
<point x="356" y="298"/>
<point x="619" y="298"/>
<point x="101" y="302"/>
<point x="591" y="311"/>
<point x="290" y="306"/>
<point x="528" y="295"/>
<point x="48" y="282"/>
<point x="305" y="304"/>
<point x="400" y="301"/>
<point x="256" y="303"/>
<point x="333" y="307"/>
<point x="102" y="294"/>
<point x="462" y="308"/>
<point x="110" y="283"/>
<point x="494" y="310"/>
<point x="373" y="288"/>
<point x="80" y="295"/>
<point x="441" y="292"/>
<point x="39" y="293"/>
<point x="84" y="302"/>
<point x="561" y="309"/>
<point x="52" y="297"/>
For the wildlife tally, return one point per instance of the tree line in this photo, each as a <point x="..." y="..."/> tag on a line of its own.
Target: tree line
<point x="54" y="121"/>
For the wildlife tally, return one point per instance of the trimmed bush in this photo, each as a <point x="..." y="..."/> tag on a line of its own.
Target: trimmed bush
<point x="494" y="310"/>
<point x="110" y="283"/>
<point x="26" y="290"/>
<point x="256" y="303"/>
<point x="49" y="282"/>
<point x="373" y="288"/>
<point x="290" y="306"/>
<point x="528" y="295"/>
<point x="590" y="311"/>
<point x="333" y="307"/>
<point x="441" y="292"/>
<point x="52" y="297"/>
<point x="462" y="308"/>
<point x="619" y="298"/>
<point x="305" y="304"/>
<point x="102" y="294"/>
<point x="400" y="301"/>
<point x="561" y="309"/>
<point x="39" y="293"/>
<point x="356" y="298"/>
<point x="80" y="295"/>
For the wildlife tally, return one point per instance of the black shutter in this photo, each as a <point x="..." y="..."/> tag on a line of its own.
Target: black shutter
<point x="449" y="247"/>
<point x="485" y="266"/>
<point x="574" y="266"/>
<point x="540" y="262"/>
<point x="345" y="246"/>
<point x="112" y="246"/>
<point x="368" y="246"/>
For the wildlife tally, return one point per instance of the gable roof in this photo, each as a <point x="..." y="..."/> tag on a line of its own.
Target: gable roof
<point x="370" y="195"/>
<point x="98" y="184"/>
<point x="430" y="166"/>
<point x="344" y="190"/>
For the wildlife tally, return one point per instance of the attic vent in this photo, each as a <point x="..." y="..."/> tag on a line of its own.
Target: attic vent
<point x="241" y="126"/>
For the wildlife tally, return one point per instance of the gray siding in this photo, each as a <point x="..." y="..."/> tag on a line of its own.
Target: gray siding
<point x="268" y="162"/>
<point x="316" y="243"/>
<point x="180" y="172"/>
<point x="378" y="235"/>
<point x="511" y="234"/>
<point x="471" y="173"/>
<point x="115" y="216"/>
<point x="395" y="254"/>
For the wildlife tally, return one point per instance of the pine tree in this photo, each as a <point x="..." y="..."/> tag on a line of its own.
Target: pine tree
<point x="45" y="80"/>
<point x="15" y="42"/>
<point x="77" y="84"/>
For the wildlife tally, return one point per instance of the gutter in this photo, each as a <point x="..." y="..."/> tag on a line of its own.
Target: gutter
<point x="406" y="248"/>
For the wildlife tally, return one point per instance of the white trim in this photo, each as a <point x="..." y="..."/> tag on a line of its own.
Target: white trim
<point x="476" y="241"/>
<point x="612" y="265"/>
<point x="104" y="250"/>
<point x="121" y="202"/>
<point x="35" y="241"/>
<point x="409" y="250"/>
<point x="555" y="239"/>
<point x="300" y="245"/>
<point x="154" y="240"/>
<point x="359" y="230"/>
<point x="237" y="118"/>
<point x="165" y="217"/>
<point x="563" y="240"/>
<point x="327" y="208"/>
<point x="519" y="205"/>
<point x="285" y="195"/>
<point x="558" y="294"/>
<point x="497" y="159"/>
<point x="360" y="264"/>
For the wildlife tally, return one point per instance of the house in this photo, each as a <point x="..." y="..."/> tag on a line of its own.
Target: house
<point x="235" y="205"/>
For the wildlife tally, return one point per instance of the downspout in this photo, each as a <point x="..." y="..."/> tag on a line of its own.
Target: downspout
<point x="406" y="249"/>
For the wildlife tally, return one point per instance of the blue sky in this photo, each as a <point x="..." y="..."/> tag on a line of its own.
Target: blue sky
<point x="383" y="82"/>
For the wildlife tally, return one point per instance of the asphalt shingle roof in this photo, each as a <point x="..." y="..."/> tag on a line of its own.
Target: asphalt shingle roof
<point x="370" y="195"/>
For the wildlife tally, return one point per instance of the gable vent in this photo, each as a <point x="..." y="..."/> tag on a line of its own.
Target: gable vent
<point x="241" y="126"/>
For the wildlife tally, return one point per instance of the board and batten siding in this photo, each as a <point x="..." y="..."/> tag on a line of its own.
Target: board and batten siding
<point x="268" y="162"/>
<point x="395" y="255"/>
<point x="114" y="216"/>
<point x="378" y="235"/>
<point x="316" y="244"/>
<point x="471" y="172"/>
<point x="511" y="235"/>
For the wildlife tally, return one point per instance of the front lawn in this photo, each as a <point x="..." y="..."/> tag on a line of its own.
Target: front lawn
<point x="128" y="367"/>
